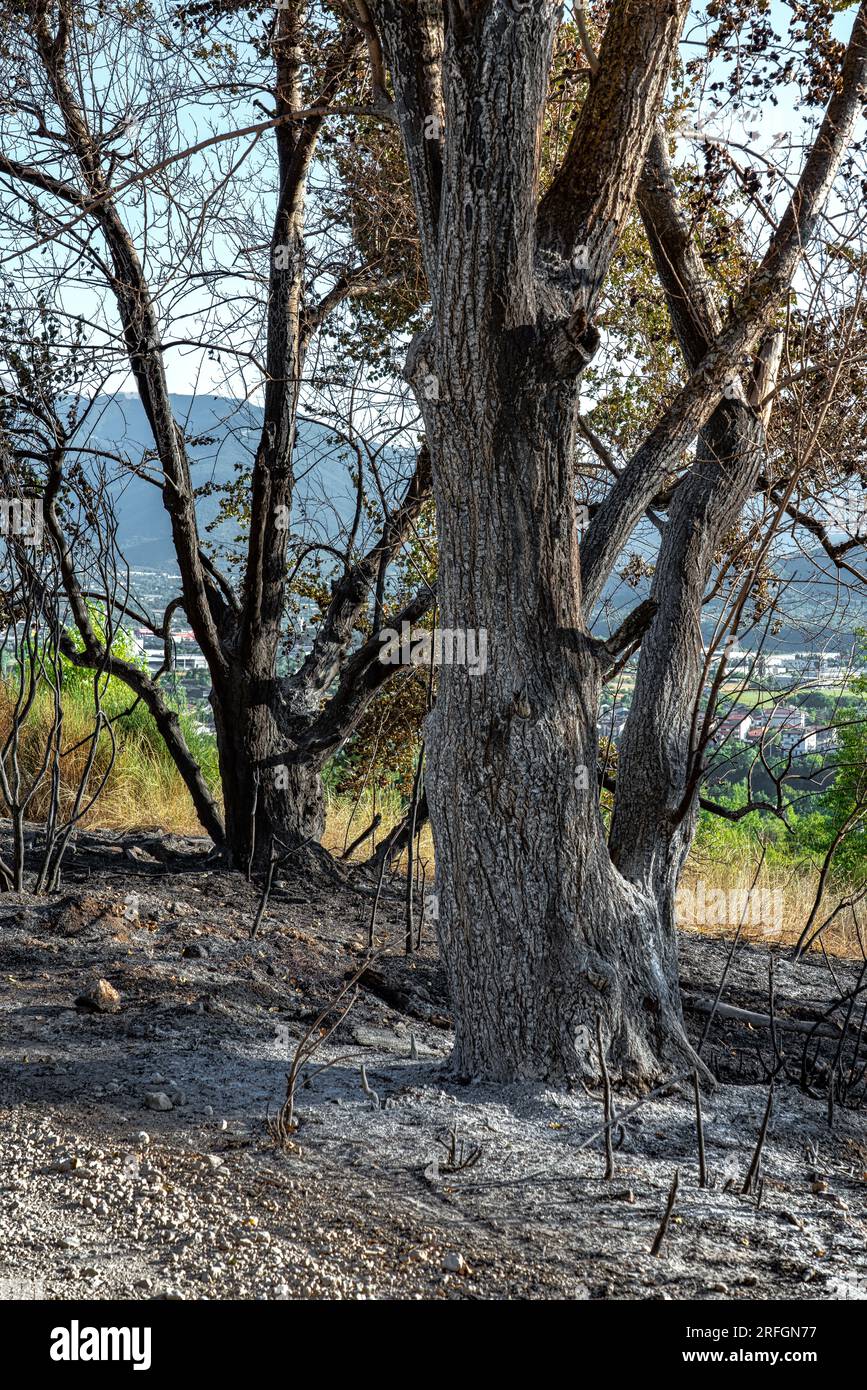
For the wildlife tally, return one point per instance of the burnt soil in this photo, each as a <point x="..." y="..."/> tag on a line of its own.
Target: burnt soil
<point x="399" y="1182"/>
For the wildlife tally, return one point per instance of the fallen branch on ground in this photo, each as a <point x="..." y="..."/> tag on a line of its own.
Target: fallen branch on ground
<point x="794" y="1025"/>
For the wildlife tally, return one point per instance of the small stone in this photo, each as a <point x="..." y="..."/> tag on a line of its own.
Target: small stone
<point x="170" y="1090"/>
<point x="143" y="1139"/>
<point x="455" y="1263"/>
<point x="157" y="1100"/>
<point x="67" y="1164"/>
<point x="100" y="997"/>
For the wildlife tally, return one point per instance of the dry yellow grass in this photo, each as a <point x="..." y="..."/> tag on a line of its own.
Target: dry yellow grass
<point x="144" y="790"/>
<point x="345" y="820"/>
<point x="791" y="896"/>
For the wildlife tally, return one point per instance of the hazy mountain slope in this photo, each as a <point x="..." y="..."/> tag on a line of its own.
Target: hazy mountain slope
<point x="815" y="609"/>
<point x="227" y="432"/>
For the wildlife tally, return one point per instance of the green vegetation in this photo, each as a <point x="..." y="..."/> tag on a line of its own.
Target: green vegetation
<point x="143" y="786"/>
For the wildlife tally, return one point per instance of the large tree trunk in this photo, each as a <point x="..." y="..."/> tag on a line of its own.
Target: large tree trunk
<point x="275" y="734"/>
<point x="661" y="755"/>
<point x="541" y="935"/>
<point x="542" y="931"/>
<point x="661" y="752"/>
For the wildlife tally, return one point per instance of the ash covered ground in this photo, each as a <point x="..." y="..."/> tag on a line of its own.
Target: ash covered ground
<point x="136" y="1158"/>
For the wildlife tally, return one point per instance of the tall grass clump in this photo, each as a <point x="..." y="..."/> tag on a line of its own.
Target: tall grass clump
<point x="143" y="787"/>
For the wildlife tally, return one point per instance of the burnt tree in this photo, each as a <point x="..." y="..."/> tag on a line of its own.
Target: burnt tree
<point x="543" y="927"/>
<point x="273" y="732"/>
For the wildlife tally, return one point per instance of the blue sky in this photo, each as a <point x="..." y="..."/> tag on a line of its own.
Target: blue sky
<point x="192" y="370"/>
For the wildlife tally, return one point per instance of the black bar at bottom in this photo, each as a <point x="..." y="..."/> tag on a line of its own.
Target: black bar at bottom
<point x="200" y="1338"/>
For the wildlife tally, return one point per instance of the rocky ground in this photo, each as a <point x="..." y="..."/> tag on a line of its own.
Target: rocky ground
<point x="136" y="1158"/>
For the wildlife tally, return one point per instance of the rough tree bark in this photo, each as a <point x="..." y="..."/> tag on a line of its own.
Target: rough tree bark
<point x="543" y="930"/>
<point x="656" y="803"/>
<point x="540" y="933"/>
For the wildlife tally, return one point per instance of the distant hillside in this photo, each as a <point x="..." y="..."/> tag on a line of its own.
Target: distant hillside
<point x="816" y="610"/>
<point x="325" y="494"/>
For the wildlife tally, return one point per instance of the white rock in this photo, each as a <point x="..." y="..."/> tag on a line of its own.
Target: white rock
<point x="66" y="1164"/>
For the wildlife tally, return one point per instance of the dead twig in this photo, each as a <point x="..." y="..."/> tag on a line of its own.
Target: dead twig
<point x="609" y="1108"/>
<point x="409" y="938"/>
<point x="625" y="1114"/>
<point x="266" y="892"/>
<point x="666" y="1216"/>
<point x="699" y="1127"/>
<point x="368" y="1089"/>
<point x="716" y="1007"/>
<point x="458" y="1156"/>
<point x="284" y="1124"/>
<point x="371" y="930"/>
<point x="752" y="1174"/>
<point x="365" y="835"/>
